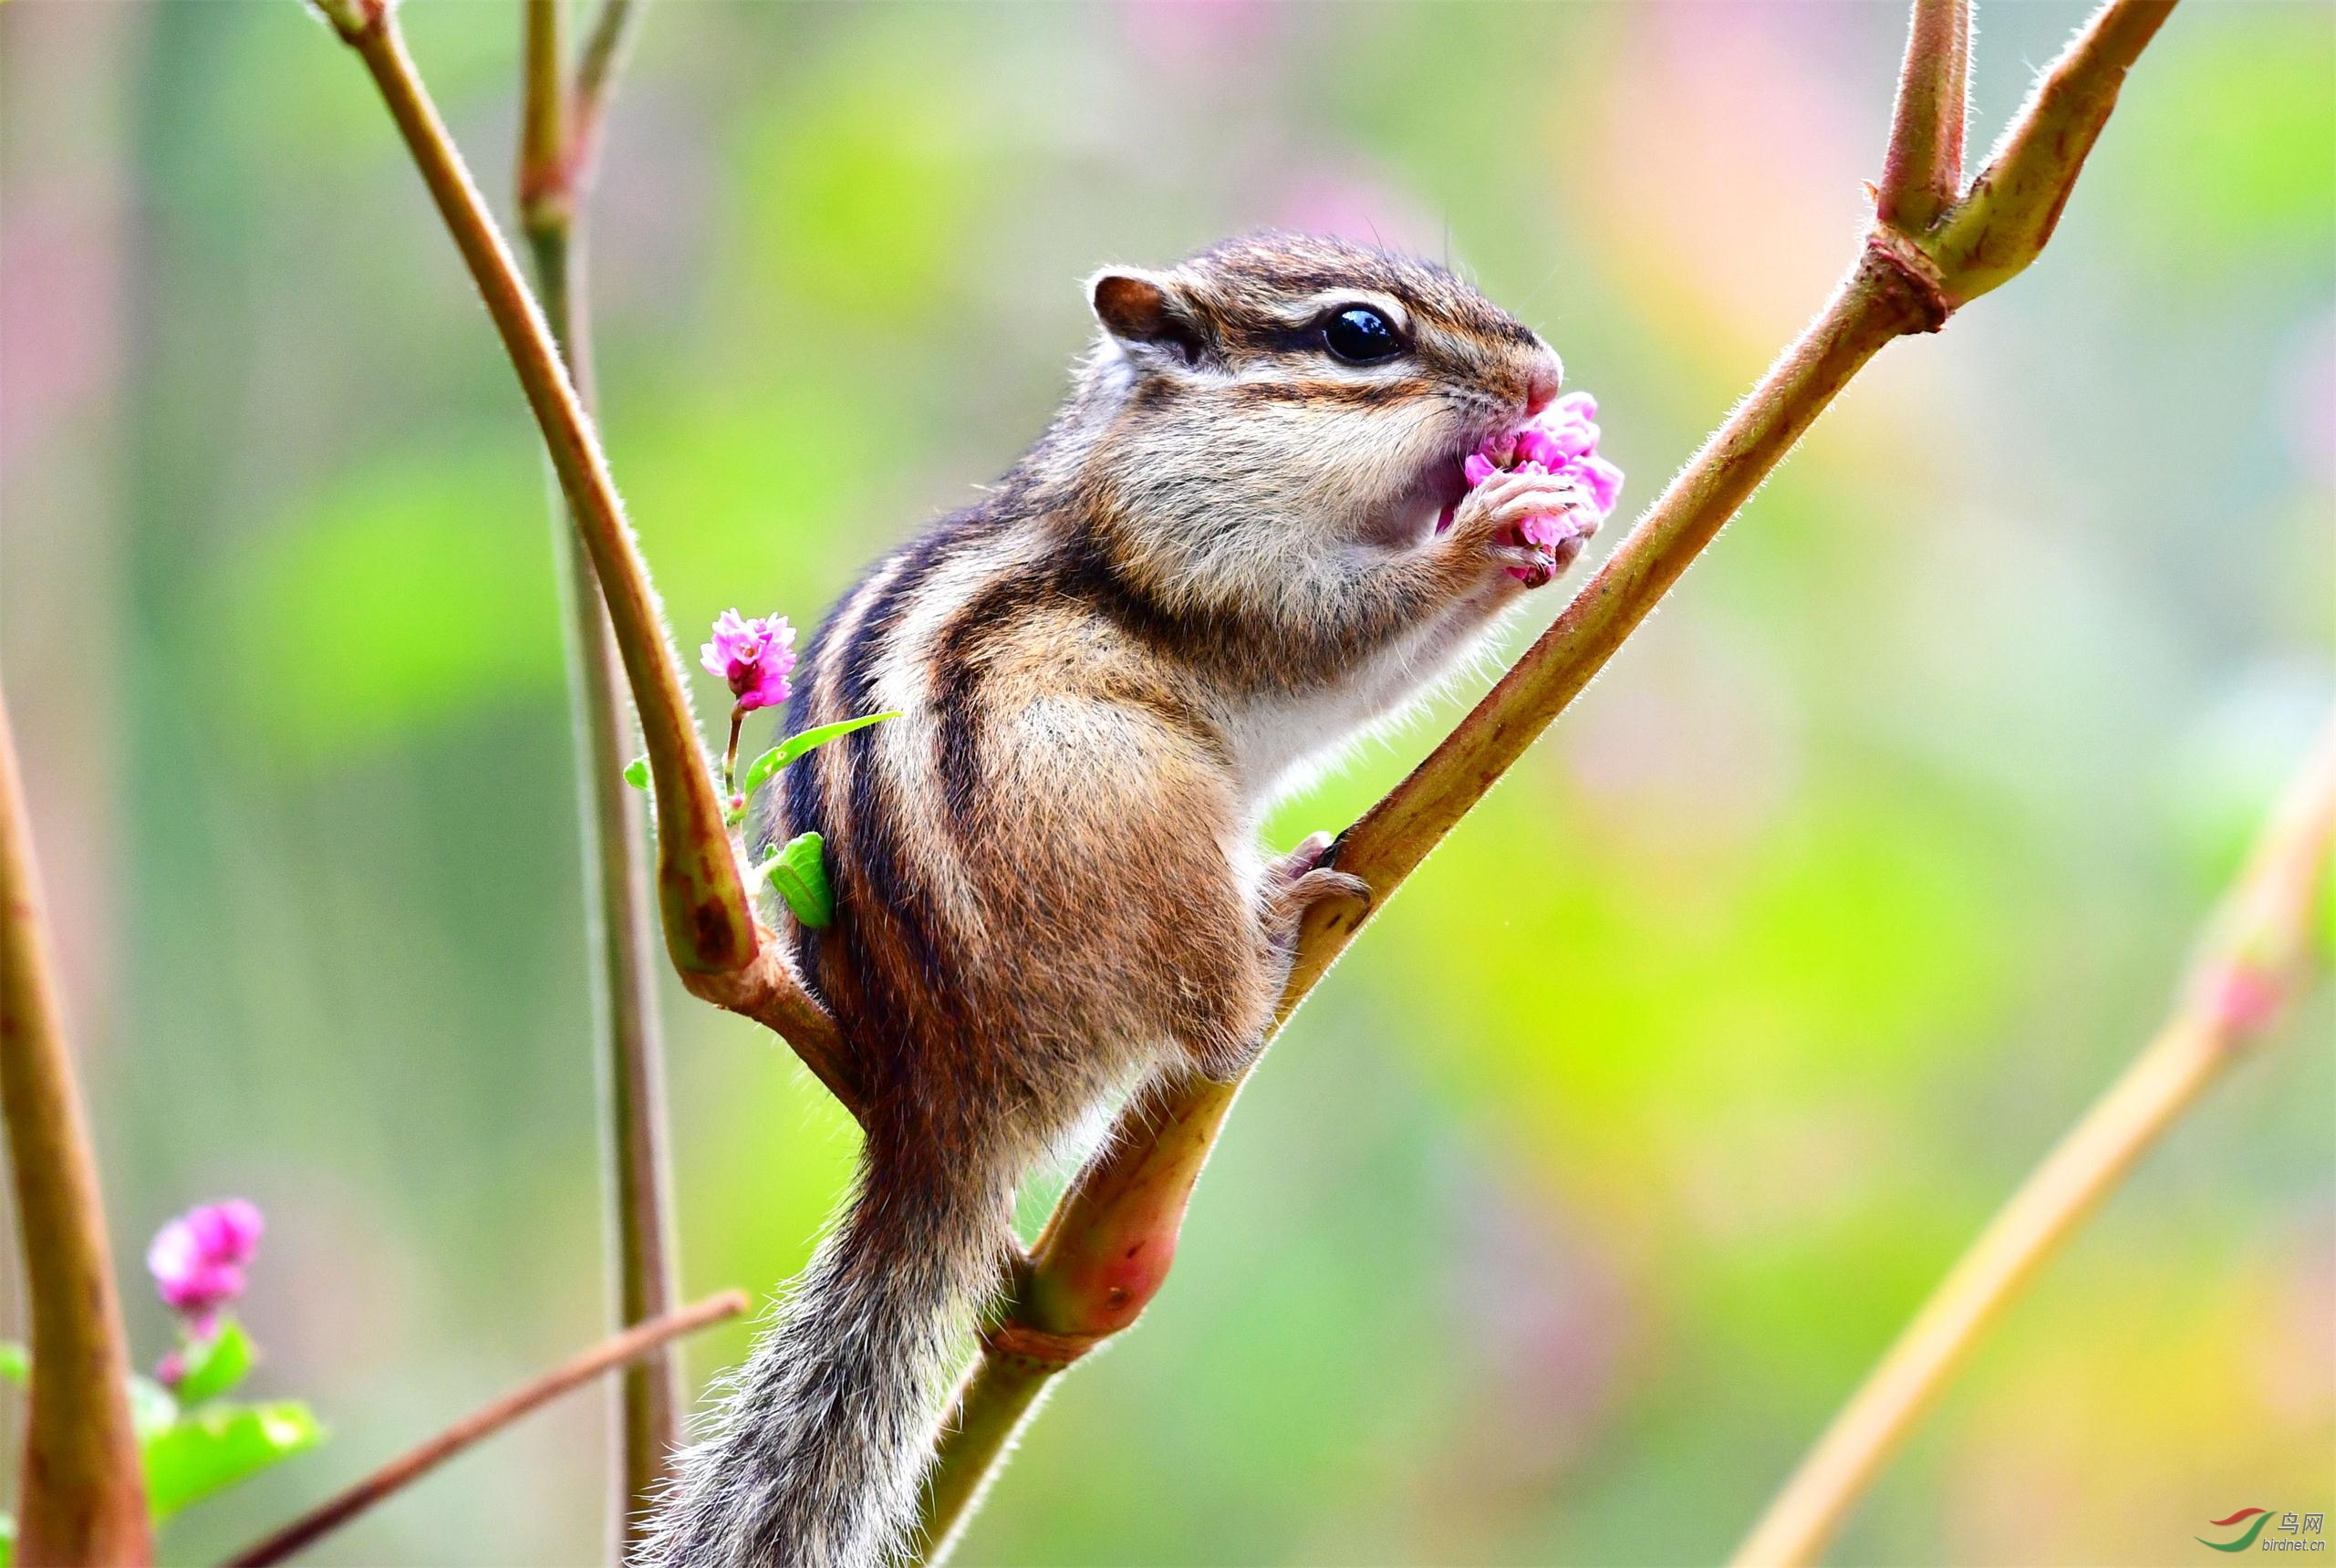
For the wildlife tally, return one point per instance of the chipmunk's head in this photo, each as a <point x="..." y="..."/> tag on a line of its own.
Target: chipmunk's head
<point x="1328" y="390"/>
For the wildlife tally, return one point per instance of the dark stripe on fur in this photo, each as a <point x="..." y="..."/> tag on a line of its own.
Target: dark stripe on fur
<point x="957" y="675"/>
<point x="1291" y="655"/>
<point x="1347" y="394"/>
<point x="877" y="882"/>
<point x="800" y="803"/>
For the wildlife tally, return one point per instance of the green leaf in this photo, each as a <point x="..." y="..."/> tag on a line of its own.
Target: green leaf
<point x="16" y="1362"/>
<point x="216" y="1365"/>
<point x="760" y="770"/>
<point x="637" y="773"/>
<point x="152" y="1407"/>
<point x="220" y="1445"/>
<point x="7" y="1539"/>
<point x="800" y="874"/>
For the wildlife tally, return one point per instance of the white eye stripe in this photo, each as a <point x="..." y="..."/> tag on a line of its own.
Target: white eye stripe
<point x="1314" y="308"/>
<point x="1310" y="368"/>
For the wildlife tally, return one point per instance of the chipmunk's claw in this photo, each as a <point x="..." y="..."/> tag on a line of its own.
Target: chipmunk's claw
<point x="1304" y="857"/>
<point x="1303" y="878"/>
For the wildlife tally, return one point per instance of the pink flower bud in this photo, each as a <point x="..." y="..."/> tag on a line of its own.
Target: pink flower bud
<point x="197" y="1260"/>
<point x="753" y="655"/>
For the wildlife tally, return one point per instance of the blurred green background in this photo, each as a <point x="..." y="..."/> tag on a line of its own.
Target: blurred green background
<point x="1590" y="1184"/>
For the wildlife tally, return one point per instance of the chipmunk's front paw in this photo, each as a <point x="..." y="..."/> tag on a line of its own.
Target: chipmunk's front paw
<point x="1526" y="526"/>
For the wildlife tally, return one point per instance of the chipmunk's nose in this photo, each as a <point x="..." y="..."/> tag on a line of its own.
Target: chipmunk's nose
<point x="1540" y="386"/>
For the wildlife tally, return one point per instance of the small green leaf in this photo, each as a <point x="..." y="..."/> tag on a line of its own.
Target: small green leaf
<point x="16" y="1362"/>
<point x="152" y="1409"/>
<point x="216" y="1365"/>
<point x="7" y="1539"/>
<point x="800" y="874"/>
<point x="759" y="771"/>
<point x="637" y="773"/>
<point x="220" y="1445"/>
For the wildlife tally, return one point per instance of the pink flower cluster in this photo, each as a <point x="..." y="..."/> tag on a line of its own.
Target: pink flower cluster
<point x="197" y="1260"/>
<point x="755" y="655"/>
<point x="1563" y="443"/>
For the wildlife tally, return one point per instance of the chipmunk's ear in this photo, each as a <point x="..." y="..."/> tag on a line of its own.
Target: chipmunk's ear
<point x="1146" y="314"/>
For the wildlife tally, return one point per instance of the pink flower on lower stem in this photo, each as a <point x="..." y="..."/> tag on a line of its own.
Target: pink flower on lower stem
<point x="197" y="1260"/>
<point x="755" y="655"/>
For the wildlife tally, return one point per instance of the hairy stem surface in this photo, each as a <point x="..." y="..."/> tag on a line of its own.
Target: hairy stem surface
<point x="708" y="926"/>
<point x="1922" y="171"/>
<point x="711" y="934"/>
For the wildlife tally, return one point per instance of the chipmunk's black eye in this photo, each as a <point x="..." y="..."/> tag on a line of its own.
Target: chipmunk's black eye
<point x="1361" y="336"/>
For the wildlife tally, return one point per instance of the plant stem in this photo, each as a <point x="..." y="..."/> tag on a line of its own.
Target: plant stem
<point x="723" y="954"/>
<point x="730" y="757"/>
<point x="605" y="48"/>
<point x="708" y="926"/>
<point x="1922" y="171"/>
<point x="81" y="1497"/>
<point x="1106" y="1249"/>
<point x="2253" y="957"/>
<point x="2017" y="200"/>
<point x="991" y="1409"/>
<point x="554" y="181"/>
<point x="483" y="1423"/>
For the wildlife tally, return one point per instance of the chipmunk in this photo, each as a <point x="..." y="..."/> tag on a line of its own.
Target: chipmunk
<point x="1244" y="541"/>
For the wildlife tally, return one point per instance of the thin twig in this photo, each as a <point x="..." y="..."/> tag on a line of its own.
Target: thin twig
<point x="1922" y="173"/>
<point x="710" y="931"/>
<point x="1106" y="1249"/>
<point x="552" y="191"/>
<point x="482" y="1424"/>
<point x="767" y="992"/>
<point x="708" y="926"/>
<point x="543" y="109"/>
<point x="605" y="48"/>
<point x="2017" y="200"/>
<point x="2252" y="959"/>
<point x="81" y="1497"/>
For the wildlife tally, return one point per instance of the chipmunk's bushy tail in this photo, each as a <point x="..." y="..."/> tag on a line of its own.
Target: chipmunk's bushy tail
<point x="815" y="1459"/>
